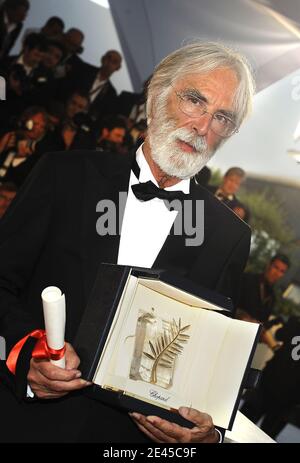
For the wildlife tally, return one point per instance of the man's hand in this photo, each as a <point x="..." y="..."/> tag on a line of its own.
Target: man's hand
<point x="163" y="431"/>
<point x="7" y="141"/>
<point x="48" y="381"/>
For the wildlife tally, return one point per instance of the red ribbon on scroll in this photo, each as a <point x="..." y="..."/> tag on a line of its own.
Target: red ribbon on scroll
<point x="41" y="350"/>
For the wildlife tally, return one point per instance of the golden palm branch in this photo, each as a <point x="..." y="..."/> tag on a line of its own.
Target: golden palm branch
<point x="166" y="347"/>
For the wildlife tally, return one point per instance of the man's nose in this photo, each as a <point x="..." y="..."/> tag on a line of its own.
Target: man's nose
<point x="201" y="124"/>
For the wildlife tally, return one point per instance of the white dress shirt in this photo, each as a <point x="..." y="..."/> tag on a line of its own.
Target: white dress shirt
<point x="9" y="26"/>
<point x="27" y="69"/>
<point x="146" y="224"/>
<point x="96" y="88"/>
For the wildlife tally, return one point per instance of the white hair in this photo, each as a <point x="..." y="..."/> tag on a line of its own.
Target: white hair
<point x="201" y="58"/>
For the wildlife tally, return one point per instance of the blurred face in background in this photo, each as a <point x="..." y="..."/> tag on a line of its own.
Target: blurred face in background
<point x="231" y="184"/>
<point x="275" y="271"/>
<point x="33" y="57"/>
<point x="73" y="41"/>
<point x="111" y="62"/>
<point x="116" y="135"/>
<point x="52" y="57"/>
<point x="53" y="30"/>
<point x="76" y="104"/>
<point x="17" y="15"/>
<point x="37" y="125"/>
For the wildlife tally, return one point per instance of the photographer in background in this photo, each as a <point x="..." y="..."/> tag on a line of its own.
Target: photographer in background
<point x="112" y="134"/>
<point x="22" y="148"/>
<point x="43" y="85"/>
<point x="76" y="130"/>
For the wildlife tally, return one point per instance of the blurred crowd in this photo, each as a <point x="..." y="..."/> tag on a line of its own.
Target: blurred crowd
<point x="55" y="101"/>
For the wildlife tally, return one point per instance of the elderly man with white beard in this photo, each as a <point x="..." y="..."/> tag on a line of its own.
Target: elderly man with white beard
<point x="54" y="234"/>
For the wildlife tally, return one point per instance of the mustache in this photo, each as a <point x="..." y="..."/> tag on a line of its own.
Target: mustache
<point x="197" y="142"/>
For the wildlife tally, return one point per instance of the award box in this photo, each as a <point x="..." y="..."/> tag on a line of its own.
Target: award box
<point x="151" y="342"/>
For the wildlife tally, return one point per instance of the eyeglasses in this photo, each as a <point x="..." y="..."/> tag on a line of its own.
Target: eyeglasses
<point x="193" y="106"/>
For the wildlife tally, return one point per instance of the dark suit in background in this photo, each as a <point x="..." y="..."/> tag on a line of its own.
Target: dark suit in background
<point x="103" y="104"/>
<point x="257" y="296"/>
<point x="278" y="391"/>
<point x="7" y="41"/>
<point x="48" y="237"/>
<point x="126" y="101"/>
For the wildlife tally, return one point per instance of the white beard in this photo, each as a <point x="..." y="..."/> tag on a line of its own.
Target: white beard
<point x="167" y="154"/>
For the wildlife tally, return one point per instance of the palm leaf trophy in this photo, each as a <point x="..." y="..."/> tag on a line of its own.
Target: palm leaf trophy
<point x="166" y="347"/>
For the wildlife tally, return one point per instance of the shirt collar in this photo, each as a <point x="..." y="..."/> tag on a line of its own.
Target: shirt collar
<point x="10" y="25"/>
<point x="20" y="60"/>
<point x="146" y="174"/>
<point x="5" y="17"/>
<point x="221" y="195"/>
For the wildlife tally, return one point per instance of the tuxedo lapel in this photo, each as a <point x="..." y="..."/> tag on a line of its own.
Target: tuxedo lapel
<point x="181" y="250"/>
<point x="104" y="180"/>
<point x="90" y="79"/>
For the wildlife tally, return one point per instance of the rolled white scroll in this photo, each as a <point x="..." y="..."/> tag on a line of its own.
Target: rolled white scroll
<point x="54" y="307"/>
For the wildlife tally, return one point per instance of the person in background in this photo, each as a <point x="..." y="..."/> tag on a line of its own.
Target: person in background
<point x="241" y="210"/>
<point x="12" y="15"/>
<point x="76" y="129"/>
<point x="277" y="394"/>
<point x="112" y="134"/>
<point x="53" y="55"/>
<point x="76" y="105"/>
<point x="257" y="298"/>
<point x="133" y="105"/>
<point x="78" y="102"/>
<point x="43" y="85"/>
<point x="72" y="42"/>
<point x="230" y="185"/>
<point x="22" y="148"/>
<point x="35" y="45"/>
<point x="52" y="30"/>
<point x="96" y="82"/>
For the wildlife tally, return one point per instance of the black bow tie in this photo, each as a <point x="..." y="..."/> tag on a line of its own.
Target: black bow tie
<point x="147" y="190"/>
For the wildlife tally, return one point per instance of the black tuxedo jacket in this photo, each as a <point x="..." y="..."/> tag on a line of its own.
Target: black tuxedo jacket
<point x="104" y="103"/>
<point x="126" y="101"/>
<point x="3" y="36"/>
<point x="48" y="237"/>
